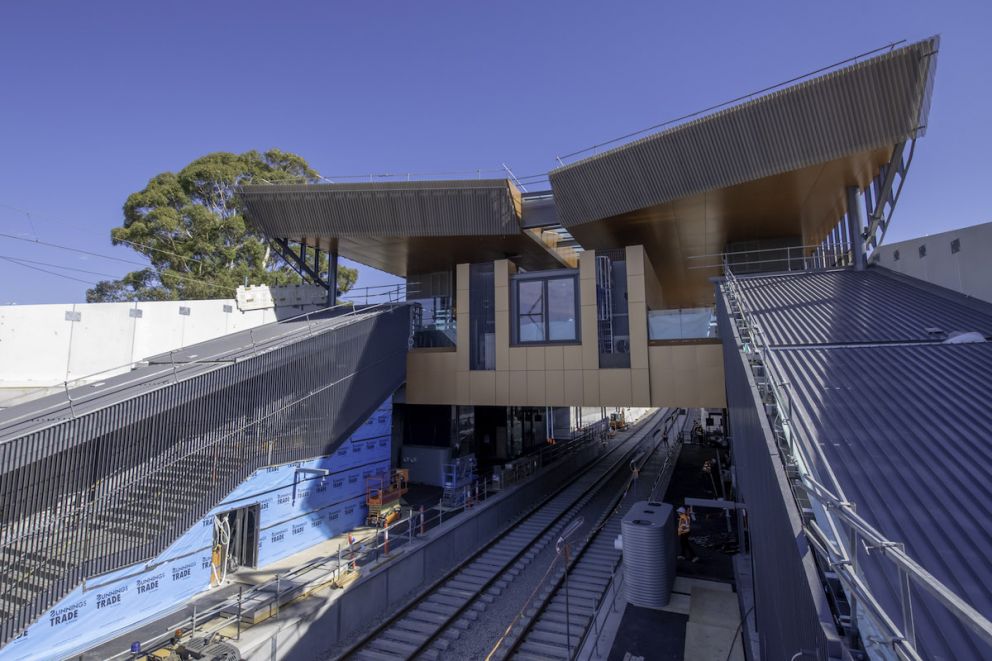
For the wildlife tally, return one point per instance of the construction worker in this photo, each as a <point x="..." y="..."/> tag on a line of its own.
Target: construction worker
<point x="685" y="526"/>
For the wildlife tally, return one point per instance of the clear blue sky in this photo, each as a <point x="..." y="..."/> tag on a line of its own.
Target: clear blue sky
<point x="99" y="97"/>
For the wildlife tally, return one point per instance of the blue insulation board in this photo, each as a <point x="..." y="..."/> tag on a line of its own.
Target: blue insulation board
<point x="291" y="520"/>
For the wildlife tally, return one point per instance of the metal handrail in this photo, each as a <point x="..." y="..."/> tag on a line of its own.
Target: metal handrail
<point x="384" y="544"/>
<point x="834" y="505"/>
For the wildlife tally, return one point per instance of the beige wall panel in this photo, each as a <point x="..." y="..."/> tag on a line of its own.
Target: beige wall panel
<point x="483" y="387"/>
<point x="501" y="271"/>
<point x="502" y="340"/>
<point x="501" y="298"/>
<point x="518" y="358"/>
<point x="683" y="357"/>
<point x="554" y="358"/>
<point x="554" y="388"/>
<point x="590" y="350"/>
<point x="710" y="355"/>
<point x="461" y="277"/>
<point x="635" y="260"/>
<point x="502" y="394"/>
<point x="535" y="388"/>
<point x="463" y="391"/>
<point x="635" y="289"/>
<point x="535" y="359"/>
<point x="640" y="386"/>
<point x="572" y="356"/>
<point x="461" y="302"/>
<point x="573" y="387"/>
<point x="517" y="395"/>
<point x="712" y="388"/>
<point x="587" y="291"/>
<point x="587" y="265"/>
<point x="638" y="336"/>
<point x="614" y="387"/>
<point x="687" y="375"/>
<point x="590" y="388"/>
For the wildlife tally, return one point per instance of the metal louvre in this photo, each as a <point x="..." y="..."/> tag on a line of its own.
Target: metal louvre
<point x="114" y="485"/>
<point x="869" y="105"/>
<point x="411" y="209"/>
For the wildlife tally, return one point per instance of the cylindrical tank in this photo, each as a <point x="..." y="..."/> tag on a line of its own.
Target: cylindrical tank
<point x="649" y="554"/>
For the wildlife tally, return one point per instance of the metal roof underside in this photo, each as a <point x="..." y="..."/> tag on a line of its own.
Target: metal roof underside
<point x="860" y="108"/>
<point x="402" y="228"/>
<point x="903" y="419"/>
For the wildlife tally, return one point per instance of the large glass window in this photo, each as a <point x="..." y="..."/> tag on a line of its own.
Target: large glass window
<point x="546" y="309"/>
<point x="561" y="309"/>
<point x="530" y="311"/>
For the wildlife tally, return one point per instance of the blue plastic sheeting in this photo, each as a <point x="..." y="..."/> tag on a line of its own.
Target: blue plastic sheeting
<point x="296" y="511"/>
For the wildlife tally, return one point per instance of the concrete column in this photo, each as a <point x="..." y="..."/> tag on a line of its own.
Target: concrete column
<point x="856" y="225"/>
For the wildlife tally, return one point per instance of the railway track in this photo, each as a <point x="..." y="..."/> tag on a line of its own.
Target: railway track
<point x="453" y="608"/>
<point x="555" y="624"/>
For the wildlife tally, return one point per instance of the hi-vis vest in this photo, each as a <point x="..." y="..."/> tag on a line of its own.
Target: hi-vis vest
<point x="684" y="523"/>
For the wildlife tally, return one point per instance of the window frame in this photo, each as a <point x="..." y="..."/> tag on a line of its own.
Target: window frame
<point x="544" y="277"/>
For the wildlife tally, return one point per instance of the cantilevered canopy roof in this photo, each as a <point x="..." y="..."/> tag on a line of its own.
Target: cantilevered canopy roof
<point x="774" y="167"/>
<point x="402" y="227"/>
<point x="860" y="109"/>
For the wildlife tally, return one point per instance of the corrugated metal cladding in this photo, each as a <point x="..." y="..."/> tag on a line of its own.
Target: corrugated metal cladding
<point x="790" y="610"/>
<point x="116" y="485"/>
<point x="416" y="208"/>
<point x="865" y="106"/>
<point x="845" y="306"/>
<point x="908" y="432"/>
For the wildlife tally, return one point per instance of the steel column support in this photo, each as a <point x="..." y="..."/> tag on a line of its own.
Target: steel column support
<point x="332" y="279"/>
<point x="856" y="227"/>
<point x="298" y="261"/>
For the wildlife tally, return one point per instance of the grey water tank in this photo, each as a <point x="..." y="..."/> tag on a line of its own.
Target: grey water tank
<point x="649" y="554"/>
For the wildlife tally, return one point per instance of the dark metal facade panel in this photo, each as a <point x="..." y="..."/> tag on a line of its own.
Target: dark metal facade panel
<point x="790" y="611"/>
<point x="410" y="209"/>
<point x="866" y="106"/>
<point x="846" y="306"/>
<point x="115" y="485"/>
<point x="910" y="440"/>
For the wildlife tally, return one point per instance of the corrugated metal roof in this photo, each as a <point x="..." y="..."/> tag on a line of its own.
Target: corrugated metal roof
<point x="862" y="107"/>
<point x="409" y="209"/>
<point x="845" y="306"/>
<point x="910" y="440"/>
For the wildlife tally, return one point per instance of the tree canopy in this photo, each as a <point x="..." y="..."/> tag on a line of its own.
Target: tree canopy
<point x="190" y="227"/>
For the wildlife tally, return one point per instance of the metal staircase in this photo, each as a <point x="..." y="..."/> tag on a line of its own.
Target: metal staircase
<point x="110" y="475"/>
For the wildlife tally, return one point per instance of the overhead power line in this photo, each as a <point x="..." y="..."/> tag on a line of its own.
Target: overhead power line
<point x="160" y="274"/>
<point x="59" y="275"/>
<point x="134" y="244"/>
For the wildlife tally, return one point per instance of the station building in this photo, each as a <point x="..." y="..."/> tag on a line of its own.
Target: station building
<point x="731" y="262"/>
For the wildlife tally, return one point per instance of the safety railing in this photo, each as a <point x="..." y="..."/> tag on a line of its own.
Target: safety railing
<point x="91" y="526"/>
<point x="845" y="531"/>
<point x="787" y="259"/>
<point x="366" y="549"/>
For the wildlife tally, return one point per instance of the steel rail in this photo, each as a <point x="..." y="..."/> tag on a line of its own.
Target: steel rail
<point x="365" y="645"/>
<point x="597" y="542"/>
